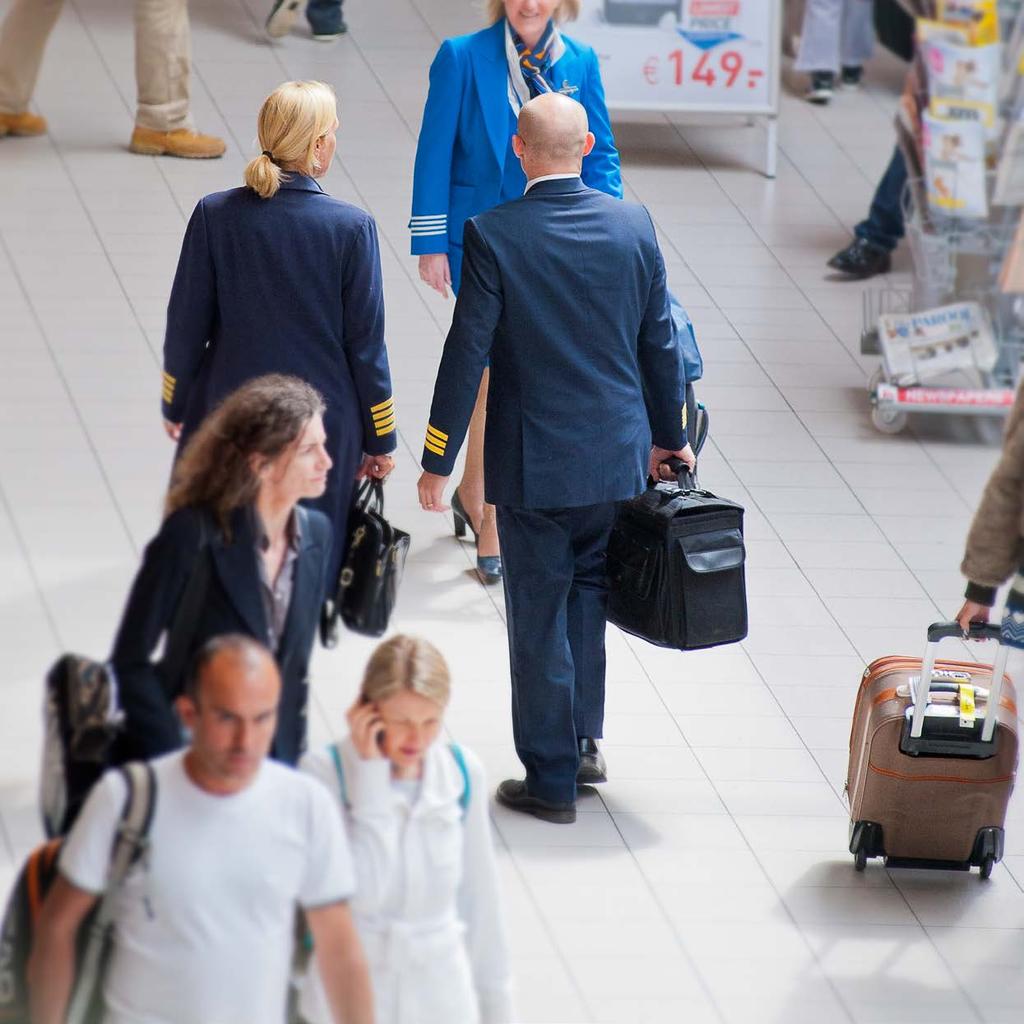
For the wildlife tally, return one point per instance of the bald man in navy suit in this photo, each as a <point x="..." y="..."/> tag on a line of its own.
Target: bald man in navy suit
<point x="563" y="292"/>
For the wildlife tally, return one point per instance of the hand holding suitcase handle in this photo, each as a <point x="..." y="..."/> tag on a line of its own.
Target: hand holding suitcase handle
<point x="948" y="630"/>
<point x="979" y="631"/>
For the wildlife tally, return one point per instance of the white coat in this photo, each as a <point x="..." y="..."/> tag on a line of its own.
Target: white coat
<point x="427" y="902"/>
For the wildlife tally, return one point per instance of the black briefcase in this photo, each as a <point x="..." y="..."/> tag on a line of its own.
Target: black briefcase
<point x="675" y="567"/>
<point x="368" y="585"/>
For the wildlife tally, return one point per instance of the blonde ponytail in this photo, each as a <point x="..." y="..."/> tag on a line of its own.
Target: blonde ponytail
<point x="293" y="118"/>
<point x="263" y="176"/>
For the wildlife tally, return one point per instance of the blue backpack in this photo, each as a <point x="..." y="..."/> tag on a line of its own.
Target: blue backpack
<point x="456" y="750"/>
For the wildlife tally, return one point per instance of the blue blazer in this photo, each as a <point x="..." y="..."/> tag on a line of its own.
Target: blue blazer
<point x="564" y="291"/>
<point x="465" y="144"/>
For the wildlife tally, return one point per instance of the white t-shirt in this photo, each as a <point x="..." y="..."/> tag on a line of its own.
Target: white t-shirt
<point x="204" y="926"/>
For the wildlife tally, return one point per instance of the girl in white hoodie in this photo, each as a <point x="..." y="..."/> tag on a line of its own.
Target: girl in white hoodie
<point x="416" y="811"/>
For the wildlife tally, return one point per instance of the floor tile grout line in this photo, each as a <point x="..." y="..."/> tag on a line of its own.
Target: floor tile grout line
<point x="746" y="840"/>
<point x="69" y="392"/>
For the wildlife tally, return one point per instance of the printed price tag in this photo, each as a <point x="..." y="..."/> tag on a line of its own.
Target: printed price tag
<point x="682" y="53"/>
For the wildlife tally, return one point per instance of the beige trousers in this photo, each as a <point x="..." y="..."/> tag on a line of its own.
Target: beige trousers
<point x="162" y="58"/>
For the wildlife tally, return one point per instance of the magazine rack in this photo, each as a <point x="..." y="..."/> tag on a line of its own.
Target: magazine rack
<point x="956" y="259"/>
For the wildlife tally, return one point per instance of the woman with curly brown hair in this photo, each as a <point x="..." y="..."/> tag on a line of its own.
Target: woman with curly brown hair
<point x="236" y="553"/>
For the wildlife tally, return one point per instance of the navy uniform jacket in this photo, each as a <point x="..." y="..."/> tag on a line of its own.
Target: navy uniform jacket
<point x="231" y="604"/>
<point x="564" y="291"/>
<point x="465" y="142"/>
<point x="290" y="284"/>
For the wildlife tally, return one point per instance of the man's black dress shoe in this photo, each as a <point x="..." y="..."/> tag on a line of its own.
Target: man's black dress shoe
<point x="861" y="259"/>
<point x="512" y="794"/>
<point x="592" y="769"/>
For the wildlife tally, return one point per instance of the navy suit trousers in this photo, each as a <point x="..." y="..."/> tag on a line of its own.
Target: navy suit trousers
<point x="556" y="597"/>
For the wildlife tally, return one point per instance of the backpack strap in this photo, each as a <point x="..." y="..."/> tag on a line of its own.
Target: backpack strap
<point x="460" y="760"/>
<point x="339" y="770"/>
<point x="130" y="843"/>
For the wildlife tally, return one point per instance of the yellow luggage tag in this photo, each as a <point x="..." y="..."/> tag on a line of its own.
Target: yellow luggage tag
<point x="967" y="708"/>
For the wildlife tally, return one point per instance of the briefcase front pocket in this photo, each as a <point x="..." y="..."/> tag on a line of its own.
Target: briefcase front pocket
<point x="710" y="567"/>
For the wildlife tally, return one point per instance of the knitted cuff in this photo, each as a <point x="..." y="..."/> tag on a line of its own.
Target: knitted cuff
<point x="980" y="595"/>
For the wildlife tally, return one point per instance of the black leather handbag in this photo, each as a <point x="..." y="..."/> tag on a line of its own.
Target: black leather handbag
<point x="676" y="567"/>
<point x="368" y="585"/>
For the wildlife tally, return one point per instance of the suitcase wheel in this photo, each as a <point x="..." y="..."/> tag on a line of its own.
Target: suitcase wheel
<point x="988" y="850"/>
<point x="865" y="842"/>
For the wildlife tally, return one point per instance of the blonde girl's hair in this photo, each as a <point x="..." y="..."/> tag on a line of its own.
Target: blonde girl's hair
<point x="406" y="663"/>
<point x="293" y="117"/>
<point x="567" y="10"/>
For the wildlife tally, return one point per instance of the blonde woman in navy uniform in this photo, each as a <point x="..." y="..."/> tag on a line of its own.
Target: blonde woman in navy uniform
<point x="279" y="277"/>
<point x="465" y="165"/>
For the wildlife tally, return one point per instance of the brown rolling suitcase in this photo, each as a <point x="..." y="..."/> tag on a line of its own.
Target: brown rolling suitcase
<point x="931" y="771"/>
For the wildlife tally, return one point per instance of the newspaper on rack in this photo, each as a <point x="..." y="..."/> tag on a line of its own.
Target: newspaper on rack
<point x="968" y="76"/>
<point x="979" y="17"/>
<point x="954" y="160"/>
<point x="922" y="346"/>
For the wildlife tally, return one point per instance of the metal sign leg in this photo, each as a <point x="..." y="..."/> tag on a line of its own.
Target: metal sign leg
<point x="771" y="157"/>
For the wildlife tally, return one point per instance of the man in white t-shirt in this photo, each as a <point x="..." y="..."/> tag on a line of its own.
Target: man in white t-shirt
<point x="204" y="925"/>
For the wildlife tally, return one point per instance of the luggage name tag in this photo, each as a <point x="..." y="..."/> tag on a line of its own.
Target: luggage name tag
<point x="967" y="707"/>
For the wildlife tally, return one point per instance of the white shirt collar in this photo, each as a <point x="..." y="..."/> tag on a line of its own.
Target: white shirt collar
<point x="548" y="177"/>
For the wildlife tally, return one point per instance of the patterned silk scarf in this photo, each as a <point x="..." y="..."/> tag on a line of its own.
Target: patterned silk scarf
<point x="527" y="66"/>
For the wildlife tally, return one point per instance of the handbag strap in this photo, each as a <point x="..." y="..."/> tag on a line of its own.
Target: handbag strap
<point x="130" y="842"/>
<point x="190" y="609"/>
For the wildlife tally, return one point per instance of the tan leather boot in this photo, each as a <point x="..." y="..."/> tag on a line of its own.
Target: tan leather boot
<point x="182" y="142"/>
<point x="22" y="124"/>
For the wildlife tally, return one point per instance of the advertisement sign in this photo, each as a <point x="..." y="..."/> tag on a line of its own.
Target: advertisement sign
<point x="696" y="55"/>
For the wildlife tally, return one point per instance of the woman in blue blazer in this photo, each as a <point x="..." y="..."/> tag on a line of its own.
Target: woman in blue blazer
<point x="465" y="165"/>
<point x="235" y="554"/>
<point x="279" y="277"/>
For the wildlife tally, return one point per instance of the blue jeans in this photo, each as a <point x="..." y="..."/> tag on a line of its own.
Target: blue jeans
<point x="556" y="599"/>
<point x="884" y="224"/>
<point x="324" y="16"/>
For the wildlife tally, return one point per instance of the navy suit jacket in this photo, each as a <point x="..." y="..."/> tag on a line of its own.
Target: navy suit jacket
<point x="290" y="284"/>
<point x="231" y="604"/>
<point x="564" y="292"/>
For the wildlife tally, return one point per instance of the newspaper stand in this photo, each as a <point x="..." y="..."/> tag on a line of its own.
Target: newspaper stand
<point x="941" y="248"/>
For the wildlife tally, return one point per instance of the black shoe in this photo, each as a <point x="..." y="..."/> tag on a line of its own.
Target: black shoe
<point x="851" y="76"/>
<point x="861" y="259"/>
<point x="592" y="769"/>
<point x="328" y="34"/>
<point x="512" y="794"/>
<point x="821" y="88"/>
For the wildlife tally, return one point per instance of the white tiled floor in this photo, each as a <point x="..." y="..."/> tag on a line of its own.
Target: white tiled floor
<point x="708" y="881"/>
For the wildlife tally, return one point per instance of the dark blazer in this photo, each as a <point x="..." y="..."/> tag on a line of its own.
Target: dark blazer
<point x="232" y="604"/>
<point x="564" y="291"/>
<point x="463" y="153"/>
<point x="290" y="284"/>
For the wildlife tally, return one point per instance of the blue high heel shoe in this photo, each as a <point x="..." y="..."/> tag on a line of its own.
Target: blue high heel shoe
<point x="487" y="566"/>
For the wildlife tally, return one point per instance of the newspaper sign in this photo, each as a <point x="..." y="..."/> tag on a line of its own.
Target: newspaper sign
<point x="923" y="346"/>
<point x="693" y="55"/>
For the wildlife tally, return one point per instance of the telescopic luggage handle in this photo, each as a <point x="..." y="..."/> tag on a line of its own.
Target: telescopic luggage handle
<point x="947" y="630"/>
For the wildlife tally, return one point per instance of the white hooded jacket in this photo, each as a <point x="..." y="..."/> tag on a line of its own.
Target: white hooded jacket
<point x="427" y="903"/>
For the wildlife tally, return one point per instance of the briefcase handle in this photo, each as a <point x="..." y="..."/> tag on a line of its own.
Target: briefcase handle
<point x="686" y="478"/>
